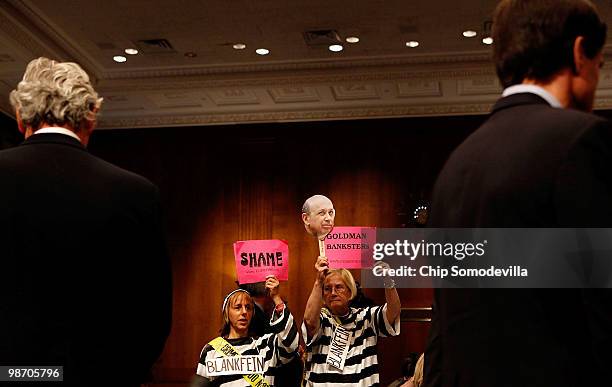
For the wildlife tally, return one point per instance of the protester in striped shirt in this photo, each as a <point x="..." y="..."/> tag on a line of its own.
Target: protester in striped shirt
<point x="236" y="358"/>
<point x="341" y="341"/>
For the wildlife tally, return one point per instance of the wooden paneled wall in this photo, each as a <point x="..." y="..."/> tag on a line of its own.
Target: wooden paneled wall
<point x="227" y="183"/>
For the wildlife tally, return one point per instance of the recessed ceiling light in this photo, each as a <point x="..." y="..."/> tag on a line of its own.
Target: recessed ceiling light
<point x="487" y="40"/>
<point x="131" y="51"/>
<point x="352" y="39"/>
<point x="239" y="46"/>
<point x="262" y="51"/>
<point x="336" y="48"/>
<point x="469" y="33"/>
<point x="190" y="54"/>
<point x="412" y="44"/>
<point x="119" y="58"/>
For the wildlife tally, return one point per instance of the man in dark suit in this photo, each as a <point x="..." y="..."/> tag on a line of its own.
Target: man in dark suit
<point x="540" y="160"/>
<point x="85" y="280"/>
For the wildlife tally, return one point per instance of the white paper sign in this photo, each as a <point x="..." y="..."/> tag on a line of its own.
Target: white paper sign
<point x="234" y="365"/>
<point x="338" y="349"/>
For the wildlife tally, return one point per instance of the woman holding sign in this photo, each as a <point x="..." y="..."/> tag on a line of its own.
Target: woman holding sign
<point x="236" y="359"/>
<point x="340" y="340"/>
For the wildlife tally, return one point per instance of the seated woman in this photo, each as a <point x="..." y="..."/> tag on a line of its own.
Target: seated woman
<point x="236" y="358"/>
<point x="340" y="340"/>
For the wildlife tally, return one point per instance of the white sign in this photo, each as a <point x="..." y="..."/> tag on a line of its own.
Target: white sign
<point x="234" y="365"/>
<point x="338" y="349"/>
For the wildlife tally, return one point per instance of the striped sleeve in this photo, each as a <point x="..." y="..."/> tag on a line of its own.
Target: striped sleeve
<point x="200" y="370"/>
<point x="284" y="339"/>
<point x="287" y="336"/>
<point x="382" y="326"/>
<point x="323" y="322"/>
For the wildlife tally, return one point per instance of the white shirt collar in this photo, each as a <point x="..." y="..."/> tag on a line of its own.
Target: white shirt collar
<point x="533" y="89"/>
<point x="55" y="129"/>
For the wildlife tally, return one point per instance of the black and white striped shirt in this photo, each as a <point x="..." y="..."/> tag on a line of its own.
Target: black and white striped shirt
<point x="361" y="365"/>
<point x="276" y="347"/>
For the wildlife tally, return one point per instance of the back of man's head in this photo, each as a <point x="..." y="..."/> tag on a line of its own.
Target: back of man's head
<point x="534" y="39"/>
<point x="56" y="94"/>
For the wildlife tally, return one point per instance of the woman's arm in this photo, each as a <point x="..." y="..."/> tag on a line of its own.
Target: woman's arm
<point x="312" y="318"/>
<point x="282" y="323"/>
<point x="394" y="304"/>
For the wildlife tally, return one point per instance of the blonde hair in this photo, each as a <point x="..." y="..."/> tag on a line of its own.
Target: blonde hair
<point x="418" y="371"/>
<point x="55" y="93"/>
<point x="348" y="279"/>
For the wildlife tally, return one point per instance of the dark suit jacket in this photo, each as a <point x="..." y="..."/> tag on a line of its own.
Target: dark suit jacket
<point x="528" y="165"/>
<point x="84" y="274"/>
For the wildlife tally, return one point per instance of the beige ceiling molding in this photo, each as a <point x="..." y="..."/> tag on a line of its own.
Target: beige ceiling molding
<point x="324" y="115"/>
<point x="298" y="78"/>
<point x="31" y="29"/>
<point x="271" y="67"/>
<point x="12" y="30"/>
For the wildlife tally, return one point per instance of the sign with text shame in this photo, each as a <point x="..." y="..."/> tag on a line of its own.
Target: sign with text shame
<point x="350" y="247"/>
<point x="257" y="259"/>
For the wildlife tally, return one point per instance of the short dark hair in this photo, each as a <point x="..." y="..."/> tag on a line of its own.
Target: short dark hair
<point x="257" y="289"/>
<point x="535" y="38"/>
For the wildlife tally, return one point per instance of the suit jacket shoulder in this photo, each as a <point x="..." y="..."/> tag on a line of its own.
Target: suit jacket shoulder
<point x="505" y="173"/>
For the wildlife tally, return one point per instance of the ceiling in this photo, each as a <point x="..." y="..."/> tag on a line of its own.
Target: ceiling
<point x="195" y="77"/>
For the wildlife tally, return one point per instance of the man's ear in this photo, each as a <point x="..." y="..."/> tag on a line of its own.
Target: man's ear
<point x="305" y="218"/>
<point x="20" y="125"/>
<point x="89" y="125"/>
<point x="579" y="54"/>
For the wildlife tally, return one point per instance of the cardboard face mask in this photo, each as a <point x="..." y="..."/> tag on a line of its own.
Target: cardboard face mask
<point x="319" y="220"/>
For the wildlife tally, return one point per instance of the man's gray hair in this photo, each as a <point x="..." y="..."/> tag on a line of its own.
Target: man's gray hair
<point x="55" y="93"/>
<point x="306" y="205"/>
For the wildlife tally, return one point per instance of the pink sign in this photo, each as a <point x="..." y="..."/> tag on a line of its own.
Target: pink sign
<point x="350" y="247"/>
<point x="259" y="258"/>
